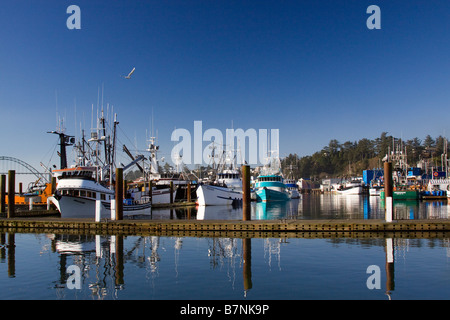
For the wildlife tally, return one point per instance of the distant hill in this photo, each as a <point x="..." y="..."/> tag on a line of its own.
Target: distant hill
<point x="351" y="158"/>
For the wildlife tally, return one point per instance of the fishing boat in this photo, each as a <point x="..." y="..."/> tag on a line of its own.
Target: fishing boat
<point x="162" y="193"/>
<point x="292" y="188"/>
<point x="213" y="195"/>
<point x="271" y="188"/>
<point x="138" y="191"/>
<point x="226" y="187"/>
<point x="78" y="190"/>
<point x="270" y="185"/>
<point x="375" y="190"/>
<point x="350" y="187"/>
<point x="291" y="184"/>
<point x="91" y="180"/>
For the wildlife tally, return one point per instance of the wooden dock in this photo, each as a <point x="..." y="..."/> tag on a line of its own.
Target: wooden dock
<point x="231" y="228"/>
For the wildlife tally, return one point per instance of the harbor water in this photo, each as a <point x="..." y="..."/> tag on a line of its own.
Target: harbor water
<point x="298" y="267"/>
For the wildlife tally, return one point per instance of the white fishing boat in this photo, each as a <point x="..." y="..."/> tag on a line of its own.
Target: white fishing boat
<point x="161" y="182"/>
<point x="225" y="189"/>
<point x="138" y="191"/>
<point x="375" y="190"/>
<point x="77" y="192"/>
<point x="350" y="187"/>
<point x="80" y="187"/>
<point x="292" y="188"/>
<point x="212" y="195"/>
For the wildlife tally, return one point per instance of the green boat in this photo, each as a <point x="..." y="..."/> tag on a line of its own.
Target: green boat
<point x="403" y="195"/>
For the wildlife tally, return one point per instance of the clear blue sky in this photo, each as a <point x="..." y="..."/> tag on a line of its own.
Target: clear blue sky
<point x="311" y="69"/>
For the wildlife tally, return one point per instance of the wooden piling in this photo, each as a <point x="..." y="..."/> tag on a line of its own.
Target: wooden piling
<point x="171" y="192"/>
<point x="388" y="191"/>
<point x="247" y="266"/>
<point x="119" y="267"/>
<point x="53" y="181"/>
<point x="390" y="272"/>
<point x="119" y="194"/>
<point x="11" y="193"/>
<point x="188" y="192"/>
<point x="3" y="193"/>
<point x="11" y="255"/>
<point x="245" y="171"/>
<point x="388" y="188"/>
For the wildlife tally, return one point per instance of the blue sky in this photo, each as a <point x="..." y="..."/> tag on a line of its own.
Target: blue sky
<point x="311" y="69"/>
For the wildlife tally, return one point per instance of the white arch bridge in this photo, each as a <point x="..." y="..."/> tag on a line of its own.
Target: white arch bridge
<point x="21" y="167"/>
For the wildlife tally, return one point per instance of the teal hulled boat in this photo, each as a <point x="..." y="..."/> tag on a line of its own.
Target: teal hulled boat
<point x="271" y="188"/>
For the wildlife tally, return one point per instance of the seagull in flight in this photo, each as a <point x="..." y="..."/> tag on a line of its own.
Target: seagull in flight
<point x="129" y="75"/>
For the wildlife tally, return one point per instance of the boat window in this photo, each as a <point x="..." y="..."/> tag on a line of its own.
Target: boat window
<point x="94" y="195"/>
<point x="102" y="196"/>
<point x="83" y="193"/>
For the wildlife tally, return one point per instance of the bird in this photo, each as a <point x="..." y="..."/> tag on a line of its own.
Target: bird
<point x="129" y="75"/>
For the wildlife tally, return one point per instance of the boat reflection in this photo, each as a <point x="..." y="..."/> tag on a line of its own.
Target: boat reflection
<point x="112" y="266"/>
<point x="275" y="210"/>
<point x="320" y="207"/>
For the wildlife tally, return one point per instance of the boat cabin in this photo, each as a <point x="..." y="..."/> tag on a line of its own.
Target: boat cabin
<point x="75" y="173"/>
<point x="228" y="176"/>
<point x="270" y="179"/>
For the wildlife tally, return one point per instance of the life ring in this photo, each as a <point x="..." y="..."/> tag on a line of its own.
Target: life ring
<point x="435" y="173"/>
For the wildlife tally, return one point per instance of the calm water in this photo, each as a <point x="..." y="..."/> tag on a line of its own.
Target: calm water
<point x="41" y="266"/>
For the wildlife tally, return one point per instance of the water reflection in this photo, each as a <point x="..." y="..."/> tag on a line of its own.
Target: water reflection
<point x="153" y="267"/>
<point x="316" y="207"/>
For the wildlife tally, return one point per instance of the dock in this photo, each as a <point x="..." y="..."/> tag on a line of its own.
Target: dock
<point x="230" y="228"/>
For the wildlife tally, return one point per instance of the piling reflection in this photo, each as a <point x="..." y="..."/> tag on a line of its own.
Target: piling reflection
<point x="390" y="282"/>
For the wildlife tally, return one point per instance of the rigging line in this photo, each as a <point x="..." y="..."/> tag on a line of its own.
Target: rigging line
<point x="53" y="146"/>
<point x="52" y="153"/>
<point x="121" y="141"/>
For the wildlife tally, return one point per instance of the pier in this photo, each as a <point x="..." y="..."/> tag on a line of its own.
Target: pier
<point x="231" y="228"/>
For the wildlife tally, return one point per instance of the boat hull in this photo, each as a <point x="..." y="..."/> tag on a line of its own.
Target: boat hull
<point x="77" y="207"/>
<point x="402" y="195"/>
<point x="266" y="194"/>
<point x="208" y="195"/>
<point x="162" y="195"/>
<point x="350" y="190"/>
<point x="159" y="196"/>
<point x="375" y="191"/>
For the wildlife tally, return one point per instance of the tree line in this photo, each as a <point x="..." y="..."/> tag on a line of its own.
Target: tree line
<point x="351" y="158"/>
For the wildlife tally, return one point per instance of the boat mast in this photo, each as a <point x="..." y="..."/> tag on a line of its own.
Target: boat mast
<point x="113" y="151"/>
<point x="64" y="141"/>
